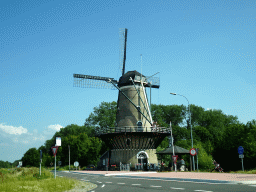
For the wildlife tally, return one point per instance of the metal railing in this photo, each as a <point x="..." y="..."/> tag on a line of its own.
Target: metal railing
<point x="132" y="129"/>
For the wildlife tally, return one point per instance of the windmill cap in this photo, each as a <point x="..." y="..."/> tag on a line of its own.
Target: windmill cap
<point x="135" y="75"/>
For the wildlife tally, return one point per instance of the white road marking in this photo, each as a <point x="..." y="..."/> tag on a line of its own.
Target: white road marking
<point x="103" y="185"/>
<point x="121" y="183"/>
<point x="201" y="182"/>
<point x="136" y="184"/>
<point x="108" y="182"/>
<point x="203" y="190"/>
<point x="99" y="182"/>
<point x="170" y="180"/>
<point x="177" y="188"/>
<point x="154" y="179"/>
<point x="154" y="186"/>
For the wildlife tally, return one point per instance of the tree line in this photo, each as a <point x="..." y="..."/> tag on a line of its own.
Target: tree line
<point x="216" y="134"/>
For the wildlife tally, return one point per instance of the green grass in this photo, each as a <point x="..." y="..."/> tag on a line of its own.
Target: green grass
<point x="28" y="179"/>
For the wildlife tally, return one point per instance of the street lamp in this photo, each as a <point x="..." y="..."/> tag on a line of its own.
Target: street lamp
<point x="189" y="125"/>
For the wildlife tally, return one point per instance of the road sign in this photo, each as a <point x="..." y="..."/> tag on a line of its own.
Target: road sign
<point x="192" y="152"/>
<point x="58" y="141"/>
<point x="241" y="156"/>
<point x="240" y="150"/>
<point x="51" y="163"/>
<point x="20" y="163"/>
<point x="59" y="163"/>
<point x="54" y="150"/>
<point x="175" y="158"/>
<point x="76" y="164"/>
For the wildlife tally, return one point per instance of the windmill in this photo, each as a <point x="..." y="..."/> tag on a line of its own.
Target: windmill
<point x="133" y="139"/>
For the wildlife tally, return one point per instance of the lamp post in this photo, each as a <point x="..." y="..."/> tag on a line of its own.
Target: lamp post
<point x="193" y="163"/>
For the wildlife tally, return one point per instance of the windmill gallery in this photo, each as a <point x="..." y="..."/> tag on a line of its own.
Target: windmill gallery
<point x="134" y="139"/>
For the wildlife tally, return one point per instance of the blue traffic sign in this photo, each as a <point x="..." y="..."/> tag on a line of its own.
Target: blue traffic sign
<point x="240" y="150"/>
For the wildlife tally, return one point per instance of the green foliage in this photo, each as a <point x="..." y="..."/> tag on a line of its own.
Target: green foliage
<point x="163" y="114"/>
<point x="103" y="116"/>
<point x="31" y="158"/>
<point x="204" y="159"/>
<point x="5" y="164"/>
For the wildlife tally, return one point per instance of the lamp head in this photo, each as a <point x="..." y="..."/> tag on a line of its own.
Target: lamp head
<point x="173" y="93"/>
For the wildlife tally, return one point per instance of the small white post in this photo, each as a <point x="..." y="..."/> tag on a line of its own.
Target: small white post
<point x="40" y="166"/>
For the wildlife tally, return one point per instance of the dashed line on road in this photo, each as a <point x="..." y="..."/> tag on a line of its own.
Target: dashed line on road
<point x="178" y="188"/>
<point x="121" y="183"/>
<point x="154" y="186"/>
<point x="108" y="182"/>
<point x="99" y="182"/>
<point x="136" y="184"/>
<point x="253" y="185"/>
<point x="202" y="190"/>
<point x="103" y="185"/>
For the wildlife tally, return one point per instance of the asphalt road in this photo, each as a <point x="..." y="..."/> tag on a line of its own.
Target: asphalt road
<point x="146" y="184"/>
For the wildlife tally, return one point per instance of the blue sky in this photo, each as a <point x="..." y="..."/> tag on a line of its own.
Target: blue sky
<point x="204" y="50"/>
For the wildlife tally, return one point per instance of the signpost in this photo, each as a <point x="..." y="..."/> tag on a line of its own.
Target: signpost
<point x="20" y="163"/>
<point x="76" y="164"/>
<point x="192" y="153"/>
<point x="171" y="144"/>
<point x="54" y="151"/>
<point x="240" y="152"/>
<point x="175" y="158"/>
<point x="197" y="149"/>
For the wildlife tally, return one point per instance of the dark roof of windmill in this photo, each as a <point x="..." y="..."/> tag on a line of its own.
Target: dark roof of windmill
<point x="125" y="79"/>
<point x="177" y="150"/>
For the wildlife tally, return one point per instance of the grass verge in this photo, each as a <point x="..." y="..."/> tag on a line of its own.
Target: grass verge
<point x="28" y="179"/>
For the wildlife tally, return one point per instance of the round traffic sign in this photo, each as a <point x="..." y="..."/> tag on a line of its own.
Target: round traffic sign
<point x="192" y="152"/>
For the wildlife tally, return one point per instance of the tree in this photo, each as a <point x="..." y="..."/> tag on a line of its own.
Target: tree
<point x="163" y="114"/>
<point x="5" y="164"/>
<point x="31" y="158"/>
<point x="103" y="116"/>
<point x="226" y="152"/>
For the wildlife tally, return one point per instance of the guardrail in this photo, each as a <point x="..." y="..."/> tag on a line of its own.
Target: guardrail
<point x="129" y="129"/>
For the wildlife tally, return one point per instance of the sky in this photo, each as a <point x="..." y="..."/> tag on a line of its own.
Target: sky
<point x="204" y="50"/>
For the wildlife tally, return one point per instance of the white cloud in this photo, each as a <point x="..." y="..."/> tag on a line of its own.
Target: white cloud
<point x="13" y="130"/>
<point x="55" y="127"/>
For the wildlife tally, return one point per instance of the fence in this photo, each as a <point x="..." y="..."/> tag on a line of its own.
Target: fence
<point x="127" y="129"/>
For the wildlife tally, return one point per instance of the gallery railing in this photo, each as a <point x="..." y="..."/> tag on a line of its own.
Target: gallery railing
<point x="128" y="129"/>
